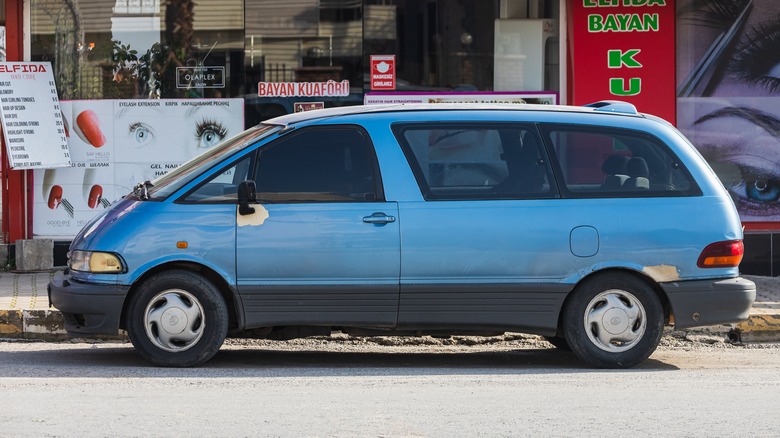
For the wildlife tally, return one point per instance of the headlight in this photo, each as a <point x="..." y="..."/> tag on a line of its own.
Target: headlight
<point x="93" y="261"/>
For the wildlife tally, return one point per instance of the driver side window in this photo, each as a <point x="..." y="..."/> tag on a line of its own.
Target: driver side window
<point x="330" y="164"/>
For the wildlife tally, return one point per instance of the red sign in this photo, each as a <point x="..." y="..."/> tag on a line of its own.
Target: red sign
<point x="623" y="50"/>
<point x="383" y="72"/>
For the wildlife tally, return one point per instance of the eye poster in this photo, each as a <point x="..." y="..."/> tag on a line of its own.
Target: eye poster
<point x="728" y="85"/>
<point x="116" y="144"/>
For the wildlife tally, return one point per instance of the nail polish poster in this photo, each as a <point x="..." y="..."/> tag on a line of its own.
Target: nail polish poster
<point x="728" y="73"/>
<point x="116" y="144"/>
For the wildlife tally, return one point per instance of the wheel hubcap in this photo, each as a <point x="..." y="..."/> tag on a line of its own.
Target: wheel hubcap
<point x="615" y="320"/>
<point x="174" y="320"/>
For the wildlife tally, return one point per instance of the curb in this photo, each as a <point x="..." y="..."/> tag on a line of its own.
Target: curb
<point x="32" y="324"/>
<point x="50" y="325"/>
<point x="758" y="328"/>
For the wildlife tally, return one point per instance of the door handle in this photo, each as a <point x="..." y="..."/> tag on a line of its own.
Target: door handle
<point x="379" y="219"/>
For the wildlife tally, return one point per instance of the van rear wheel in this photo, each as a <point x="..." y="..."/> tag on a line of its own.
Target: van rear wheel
<point x="177" y="318"/>
<point x="613" y="321"/>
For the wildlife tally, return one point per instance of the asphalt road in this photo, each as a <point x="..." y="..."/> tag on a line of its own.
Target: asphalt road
<point x="318" y="388"/>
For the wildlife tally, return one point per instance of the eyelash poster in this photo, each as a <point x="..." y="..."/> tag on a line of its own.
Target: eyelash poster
<point x="728" y="85"/>
<point x="116" y="144"/>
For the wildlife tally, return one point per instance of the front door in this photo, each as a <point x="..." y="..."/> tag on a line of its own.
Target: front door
<point x="324" y="246"/>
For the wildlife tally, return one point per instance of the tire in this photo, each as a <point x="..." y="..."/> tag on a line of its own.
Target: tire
<point x="558" y="342"/>
<point x="613" y="321"/>
<point x="177" y="319"/>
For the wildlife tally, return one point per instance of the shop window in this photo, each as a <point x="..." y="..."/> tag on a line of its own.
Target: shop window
<point x="139" y="50"/>
<point x="306" y="41"/>
<point x="341" y="10"/>
<point x="457" y="45"/>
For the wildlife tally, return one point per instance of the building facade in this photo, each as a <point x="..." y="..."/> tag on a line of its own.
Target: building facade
<point x="142" y="68"/>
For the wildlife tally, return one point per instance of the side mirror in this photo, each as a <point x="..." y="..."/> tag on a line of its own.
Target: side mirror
<point x="247" y="193"/>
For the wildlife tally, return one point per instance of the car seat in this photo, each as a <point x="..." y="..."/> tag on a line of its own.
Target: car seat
<point x="638" y="174"/>
<point x="615" y="169"/>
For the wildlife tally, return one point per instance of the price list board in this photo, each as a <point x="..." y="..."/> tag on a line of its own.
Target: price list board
<point x="34" y="128"/>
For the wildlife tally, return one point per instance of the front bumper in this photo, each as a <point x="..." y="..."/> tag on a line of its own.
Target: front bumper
<point x="710" y="302"/>
<point x="88" y="309"/>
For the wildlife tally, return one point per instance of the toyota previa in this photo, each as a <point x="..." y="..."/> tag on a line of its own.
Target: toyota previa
<point x="593" y="226"/>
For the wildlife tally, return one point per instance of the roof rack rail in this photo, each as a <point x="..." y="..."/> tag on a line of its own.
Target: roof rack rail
<point x="614" y="106"/>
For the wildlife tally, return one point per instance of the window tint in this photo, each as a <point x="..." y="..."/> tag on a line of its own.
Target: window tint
<point x="332" y="164"/>
<point x="597" y="161"/>
<point x="223" y="186"/>
<point x="467" y="161"/>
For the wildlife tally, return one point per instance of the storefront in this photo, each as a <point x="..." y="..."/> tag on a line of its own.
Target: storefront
<point x="163" y="80"/>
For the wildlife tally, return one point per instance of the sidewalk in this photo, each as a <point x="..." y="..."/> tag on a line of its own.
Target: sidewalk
<point x="25" y="312"/>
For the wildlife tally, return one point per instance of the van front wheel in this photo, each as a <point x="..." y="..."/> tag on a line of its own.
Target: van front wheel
<point x="177" y="318"/>
<point x="613" y="321"/>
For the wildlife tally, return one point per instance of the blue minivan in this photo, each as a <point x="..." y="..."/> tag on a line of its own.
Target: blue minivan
<point x="592" y="226"/>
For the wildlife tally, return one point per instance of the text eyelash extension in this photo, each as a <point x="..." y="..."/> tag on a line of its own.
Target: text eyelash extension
<point x="757" y="54"/>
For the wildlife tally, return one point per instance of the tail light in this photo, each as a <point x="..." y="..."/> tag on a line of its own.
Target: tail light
<point x="725" y="254"/>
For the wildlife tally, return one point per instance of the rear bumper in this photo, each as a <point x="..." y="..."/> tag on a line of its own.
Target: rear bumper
<point x="707" y="302"/>
<point x="88" y="309"/>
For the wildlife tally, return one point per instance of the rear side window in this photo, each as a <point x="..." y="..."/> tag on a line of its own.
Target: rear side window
<point x="476" y="161"/>
<point x="321" y="164"/>
<point x="598" y="161"/>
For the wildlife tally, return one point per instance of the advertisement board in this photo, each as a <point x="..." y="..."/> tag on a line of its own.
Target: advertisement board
<point x="624" y="50"/>
<point x="116" y="144"/>
<point x="727" y="96"/>
<point x="34" y="130"/>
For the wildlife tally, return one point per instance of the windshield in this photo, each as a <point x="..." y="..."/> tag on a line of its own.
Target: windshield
<point x="165" y="185"/>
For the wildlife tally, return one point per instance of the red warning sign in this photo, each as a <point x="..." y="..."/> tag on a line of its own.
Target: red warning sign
<point x="383" y="72"/>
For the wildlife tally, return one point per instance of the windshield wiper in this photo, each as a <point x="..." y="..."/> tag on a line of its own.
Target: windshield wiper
<point x="140" y="190"/>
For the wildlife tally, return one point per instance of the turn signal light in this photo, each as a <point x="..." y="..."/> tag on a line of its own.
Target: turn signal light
<point x="725" y="254"/>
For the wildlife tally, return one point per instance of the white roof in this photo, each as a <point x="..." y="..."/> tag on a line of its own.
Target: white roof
<point x="614" y="107"/>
